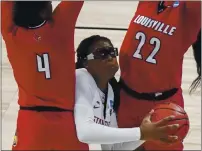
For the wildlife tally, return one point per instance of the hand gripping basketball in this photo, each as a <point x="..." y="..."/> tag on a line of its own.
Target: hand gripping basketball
<point x="158" y="130"/>
<point x="180" y="117"/>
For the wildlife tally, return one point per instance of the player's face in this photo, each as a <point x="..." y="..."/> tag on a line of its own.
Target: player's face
<point x="46" y="14"/>
<point x="105" y="61"/>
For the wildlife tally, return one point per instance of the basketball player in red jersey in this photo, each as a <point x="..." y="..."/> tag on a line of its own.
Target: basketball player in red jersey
<point x="151" y="59"/>
<point x="40" y="46"/>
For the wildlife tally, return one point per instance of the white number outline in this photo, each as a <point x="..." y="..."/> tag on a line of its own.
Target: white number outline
<point x="153" y="41"/>
<point x="44" y="60"/>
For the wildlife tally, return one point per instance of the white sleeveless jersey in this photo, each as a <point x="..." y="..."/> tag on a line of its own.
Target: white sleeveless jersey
<point x="91" y="126"/>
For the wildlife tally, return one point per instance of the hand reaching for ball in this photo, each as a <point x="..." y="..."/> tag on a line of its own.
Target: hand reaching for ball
<point x="158" y="130"/>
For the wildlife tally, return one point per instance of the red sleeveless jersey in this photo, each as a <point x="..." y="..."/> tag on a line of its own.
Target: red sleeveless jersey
<point x="151" y="55"/>
<point x="43" y="58"/>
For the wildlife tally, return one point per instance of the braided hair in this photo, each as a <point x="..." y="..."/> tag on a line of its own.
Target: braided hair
<point x="197" y="56"/>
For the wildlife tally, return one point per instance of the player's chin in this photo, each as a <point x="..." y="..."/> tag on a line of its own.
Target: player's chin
<point x="113" y="69"/>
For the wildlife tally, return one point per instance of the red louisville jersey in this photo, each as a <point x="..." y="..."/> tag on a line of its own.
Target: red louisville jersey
<point x="42" y="57"/>
<point x="160" y="33"/>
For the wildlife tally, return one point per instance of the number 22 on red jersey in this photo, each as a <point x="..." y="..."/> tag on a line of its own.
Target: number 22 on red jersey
<point x="142" y="41"/>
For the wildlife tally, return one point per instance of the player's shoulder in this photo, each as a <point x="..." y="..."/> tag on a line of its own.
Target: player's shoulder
<point x="193" y="3"/>
<point x="85" y="83"/>
<point x="143" y="5"/>
<point x="193" y="6"/>
<point x="146" y="2"/>
<point x="82" y="75"/>
<point x="140" y="3"/>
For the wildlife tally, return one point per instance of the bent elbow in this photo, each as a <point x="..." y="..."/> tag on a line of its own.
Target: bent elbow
<point x="83" y="135"/>
<point x="82" y="138"/>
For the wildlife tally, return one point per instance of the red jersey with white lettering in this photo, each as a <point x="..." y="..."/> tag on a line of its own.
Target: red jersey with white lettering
<point x="42" y="58"/>
<point x="151" y="55"/>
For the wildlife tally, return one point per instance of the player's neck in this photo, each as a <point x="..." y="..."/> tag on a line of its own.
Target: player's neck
<point x="103" y="86"/>
<point x="102" y="83"/>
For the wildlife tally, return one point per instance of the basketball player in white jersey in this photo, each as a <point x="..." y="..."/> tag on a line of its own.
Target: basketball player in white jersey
<point x="97" y="101"/>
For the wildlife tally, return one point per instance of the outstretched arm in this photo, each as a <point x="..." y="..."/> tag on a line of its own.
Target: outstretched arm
<point x="87" y="130"/>
<point x="66" y="13"/>
<point x="121" y="146"/>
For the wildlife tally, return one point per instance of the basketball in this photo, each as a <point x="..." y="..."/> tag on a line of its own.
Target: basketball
<point x="167" y="109"/>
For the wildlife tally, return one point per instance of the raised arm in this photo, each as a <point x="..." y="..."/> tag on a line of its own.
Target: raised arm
<point x="66" y="13"/>
<point x="6" y="17"/>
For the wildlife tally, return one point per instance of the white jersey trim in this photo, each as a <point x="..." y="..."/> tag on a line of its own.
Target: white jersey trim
<point x="38" y="25"/>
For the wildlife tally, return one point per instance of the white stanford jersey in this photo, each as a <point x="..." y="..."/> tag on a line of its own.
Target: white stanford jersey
<point x="91" y="126"/>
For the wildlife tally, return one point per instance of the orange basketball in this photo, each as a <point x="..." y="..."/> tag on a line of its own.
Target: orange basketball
<point x="167" y="109"/>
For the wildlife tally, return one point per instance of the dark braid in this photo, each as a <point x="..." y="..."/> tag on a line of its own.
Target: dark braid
<point x="82" y="51"/>
<point x="197" y="56"/>
<point x="116" y="89"/>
